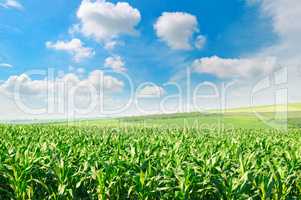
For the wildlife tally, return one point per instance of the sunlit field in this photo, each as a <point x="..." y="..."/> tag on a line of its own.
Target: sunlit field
<point x="236" y="156"/>
<point x="150" y="100"/>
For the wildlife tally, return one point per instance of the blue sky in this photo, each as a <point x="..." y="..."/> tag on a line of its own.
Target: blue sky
<point x="57" y="34"/>
<point x="24" y="33"/>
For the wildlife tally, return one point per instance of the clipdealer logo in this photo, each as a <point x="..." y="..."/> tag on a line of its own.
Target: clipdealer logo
<point x="277" y="117"/>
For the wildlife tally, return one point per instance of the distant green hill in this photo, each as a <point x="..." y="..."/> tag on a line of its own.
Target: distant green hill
<point x="292" y="107"/>
<point x="266" y="117"/>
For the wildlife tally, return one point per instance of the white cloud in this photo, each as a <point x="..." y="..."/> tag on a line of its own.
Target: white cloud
<point x="75" y="47"/>
<point x="200" y="42"/>
<point x="151" y="91"/>
<point x="236" y="67"/>
<point x="6" y="65"/>
<point x="97" y="79"/>
<point x="285" y="52"/>
<point x="110" y="45"/>
<point x="25" y="85"/>
<point x="177" y="29"/>
<point x="105" y="21"/>
<point x="12" y="4"/>
<point x="79" y="71"/>
<point x="62" y="97"/>
<point x="284" y="15"/>
<point x="116" y="63"/>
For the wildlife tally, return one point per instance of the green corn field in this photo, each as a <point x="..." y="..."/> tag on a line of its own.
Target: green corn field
<point x="61" y="162"/>
<point x="150" y="100"/>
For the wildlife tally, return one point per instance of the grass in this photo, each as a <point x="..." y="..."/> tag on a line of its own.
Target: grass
<point x="175" y="156"/>
<point x="198" y="120"/>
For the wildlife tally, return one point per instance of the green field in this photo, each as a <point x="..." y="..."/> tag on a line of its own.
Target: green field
<point x="292" y="107"/>
<point x="232" y="118"/>
<point x="176" y="156"/>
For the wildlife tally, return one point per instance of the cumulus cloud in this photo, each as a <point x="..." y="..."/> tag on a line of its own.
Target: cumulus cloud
<point x="66" y="96"/>
<point x="284" y="53"/>
<point x="75" y="47"/>
<point x="99" y="80"/>
<point x="200" y="42"/>
<point x="24" y="84"/>
<point x="13" y="4"/>
<point x="96" y="79"/>
<point x="116" y="63"/>
<point x="6" y="65"/>
<point x="151" y="91"/>
<point x="283" y="15"/>
<point x="112" y="44"/>
<point x="104" y="21"/>
<point x="177" y="29"/>
<point x="235" y="67"/>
